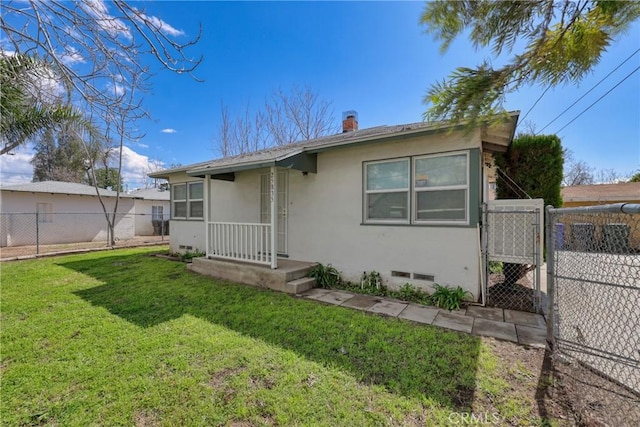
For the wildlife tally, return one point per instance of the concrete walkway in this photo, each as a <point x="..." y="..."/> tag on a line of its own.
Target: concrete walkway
<point x="516" y="326"/>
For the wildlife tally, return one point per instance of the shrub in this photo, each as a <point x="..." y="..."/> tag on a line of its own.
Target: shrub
<point x="534" y="163"/>
<point x="188" y="256"/>
<point x="411" y="293"/>
<point x="448" y="298"/>
<point x="326" y="276"/>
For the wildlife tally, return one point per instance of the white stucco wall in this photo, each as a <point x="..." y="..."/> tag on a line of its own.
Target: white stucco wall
<point x="74" y="218"/>
<point x="185" y="235"/>
<point x="325" y="218"/>
<point x="144" y="211"/>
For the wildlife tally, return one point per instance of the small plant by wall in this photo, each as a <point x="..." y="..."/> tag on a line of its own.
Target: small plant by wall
<point x="326" y="276"/>
<point x="371" y="283"/>
<point x="447" y="297"/>
<point x="411" y="293"/>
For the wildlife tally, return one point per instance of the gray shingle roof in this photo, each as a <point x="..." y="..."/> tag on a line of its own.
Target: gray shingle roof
<point x="59" y="187"/>
<point x="152" y="194"/>
<point x="314" y="145"/>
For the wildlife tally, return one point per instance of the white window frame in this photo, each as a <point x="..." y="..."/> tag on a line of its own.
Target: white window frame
<point x="366" y="192"/>
<point x="190" y="200"/>
<point x="157" y="213"/>
<point x="45" y="212"/>
<point x="413" y="190"/>
<point x="174" y="201"/>
<point x="416" y="190"/>
<point x="187" y="200"/>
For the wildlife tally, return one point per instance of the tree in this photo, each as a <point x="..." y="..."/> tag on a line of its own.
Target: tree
<point x="97" y="51"/>
<point x="60" y="156"/>
<point x="24" y="111"/>
<point x="286" y="117"/>
<point x="94" y="50"/>
<point x="532" y="166"/>
<point x="576" y="172"/>
<point x="635" y="177"/>
<point x="564" y="41"/>
<point x="108" y="178"/>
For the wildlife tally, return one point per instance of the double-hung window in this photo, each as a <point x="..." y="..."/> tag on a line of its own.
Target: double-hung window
<point x="441" y="186"/>
<point x="387" y="191"/>
<point x="156" y="213"/>
<point x="417" y="190"/>
<point x="196" y="205"/>
<point x="187" y="200"/>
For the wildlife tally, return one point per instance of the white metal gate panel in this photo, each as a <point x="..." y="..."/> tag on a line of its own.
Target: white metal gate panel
<point x="515" y="230"/>
<point x="513" y="239"/>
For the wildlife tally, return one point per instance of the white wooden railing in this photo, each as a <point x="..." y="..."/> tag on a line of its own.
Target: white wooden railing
<point x="248" y="242"/>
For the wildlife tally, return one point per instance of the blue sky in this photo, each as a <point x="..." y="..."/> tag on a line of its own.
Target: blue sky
<point x="372" y="57"/>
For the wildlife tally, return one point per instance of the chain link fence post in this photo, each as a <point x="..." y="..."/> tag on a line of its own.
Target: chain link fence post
<point x="37" y="233"/>
<point x="551" y="243"/>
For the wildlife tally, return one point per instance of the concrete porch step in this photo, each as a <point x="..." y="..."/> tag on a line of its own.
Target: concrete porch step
<point x="293" y="273"/>
<point x="300" y="285"/>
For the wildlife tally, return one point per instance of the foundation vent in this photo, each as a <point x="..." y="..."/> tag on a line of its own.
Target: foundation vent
<point x="400" y="274"/>
<point x="426" y="277"/>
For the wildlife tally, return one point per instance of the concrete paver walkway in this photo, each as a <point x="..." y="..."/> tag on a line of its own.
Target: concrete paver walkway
<point x="516" y="326"/>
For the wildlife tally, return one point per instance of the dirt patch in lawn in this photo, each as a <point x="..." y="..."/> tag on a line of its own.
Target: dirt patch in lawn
<point x="566" y="392"/>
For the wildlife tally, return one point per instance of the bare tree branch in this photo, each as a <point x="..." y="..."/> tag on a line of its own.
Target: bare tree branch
<point x="286" y="117"/>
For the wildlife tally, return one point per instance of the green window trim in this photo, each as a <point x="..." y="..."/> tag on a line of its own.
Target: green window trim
<point x="455" y="185"/>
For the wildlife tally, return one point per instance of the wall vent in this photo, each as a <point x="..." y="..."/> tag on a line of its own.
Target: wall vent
<point x="400" y="274"/>
<point x="427" y="277"/>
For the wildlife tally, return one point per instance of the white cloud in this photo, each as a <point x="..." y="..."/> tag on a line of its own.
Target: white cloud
<point x="118" y="90"/>
<point x="113" y="26"/>
<point x="136" y="166"/>
<point x="16" y="169"/>
<point x="72" y="56"/>
<point x="169" y="130"/>
<point x="159" y="24"/>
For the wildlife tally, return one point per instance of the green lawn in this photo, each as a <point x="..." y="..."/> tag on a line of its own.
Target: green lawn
<point x="125" y="338"/>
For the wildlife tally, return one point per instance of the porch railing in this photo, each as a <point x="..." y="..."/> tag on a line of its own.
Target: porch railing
<point x="249" y="242"/>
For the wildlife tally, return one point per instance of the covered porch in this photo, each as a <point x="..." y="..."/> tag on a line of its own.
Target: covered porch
<point x="245" y="214"/>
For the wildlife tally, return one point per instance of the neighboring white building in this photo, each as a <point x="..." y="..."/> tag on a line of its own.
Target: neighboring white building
<point x="66" y="213"/>
<point x="151" y="205"/>
<point x="69" y="212"/>
<point x="404" y="201"/>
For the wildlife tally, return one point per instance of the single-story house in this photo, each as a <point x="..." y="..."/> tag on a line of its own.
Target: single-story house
<point x="403" y="200"/>
<point x="600" y="194"/>
<point x="151" y="205"/>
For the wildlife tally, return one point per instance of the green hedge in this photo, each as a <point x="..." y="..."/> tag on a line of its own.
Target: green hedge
<point x="534" y="162"/>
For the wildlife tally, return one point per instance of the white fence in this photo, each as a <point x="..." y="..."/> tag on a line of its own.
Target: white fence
<point x="250" y="242"/>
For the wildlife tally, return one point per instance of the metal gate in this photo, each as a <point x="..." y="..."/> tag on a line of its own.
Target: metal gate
<point x="512" y="254"/>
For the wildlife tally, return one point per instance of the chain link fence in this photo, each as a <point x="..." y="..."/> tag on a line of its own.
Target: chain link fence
<point x="593" y="278"/>
<point x="28" y="233"/>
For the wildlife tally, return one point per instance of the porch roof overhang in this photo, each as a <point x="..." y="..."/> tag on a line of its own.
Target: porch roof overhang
<point x="298" y="160"/>
<point x="496" y="137"/>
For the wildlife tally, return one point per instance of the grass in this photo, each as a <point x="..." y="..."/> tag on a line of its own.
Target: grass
<point x="123" y="338"/>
